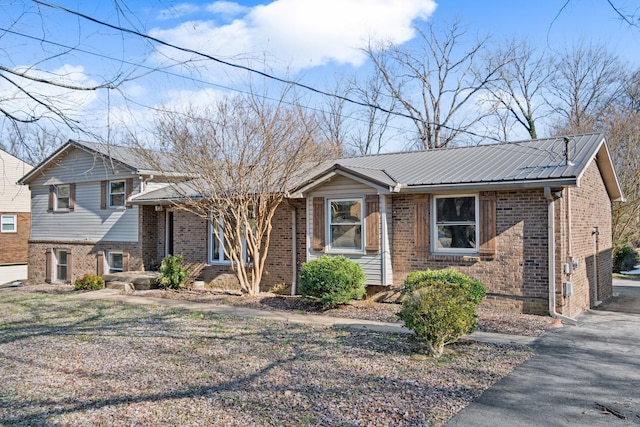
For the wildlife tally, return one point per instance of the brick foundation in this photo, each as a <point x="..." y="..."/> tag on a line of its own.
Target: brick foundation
<point x="14" y="246"/>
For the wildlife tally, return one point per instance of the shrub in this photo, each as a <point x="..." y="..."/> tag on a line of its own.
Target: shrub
<point x="89" y="282"/>
<point x="419" y="279"/>
<point x="439" y="314"/>
<point x="625" y="258"/>
<point x="172" y="273"/>
<point x="332" y="280"/>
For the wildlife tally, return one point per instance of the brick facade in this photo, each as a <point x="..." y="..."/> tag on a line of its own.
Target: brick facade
<point x="14" y="246"/>
<point x="516" y="277"/>
<point x="84" y="257"/>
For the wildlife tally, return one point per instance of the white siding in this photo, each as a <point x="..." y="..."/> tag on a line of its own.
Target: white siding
<point x="87" y="222"/>
<point x="344" y="188"/>
<point x="77" y="166"/>
<point x="13" y="197"/>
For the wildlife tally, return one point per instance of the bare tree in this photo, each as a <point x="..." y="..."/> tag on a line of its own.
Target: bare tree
<point x="371" y="137"/>
<point x="244" y="154"/>
<point x="586" y="81"/>
<point x="334" y="116"/>
<point x="32" y="144"/>
<point x="434" y="83"/>
<point x="517" y="91"/>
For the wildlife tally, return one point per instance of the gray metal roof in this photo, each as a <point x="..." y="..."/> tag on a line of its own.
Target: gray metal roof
<point x="529" y="163"/>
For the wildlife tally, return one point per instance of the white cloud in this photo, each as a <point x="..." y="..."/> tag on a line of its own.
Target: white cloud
<point x="303" y="33"/>
<point x="178" y="11"/>
<point x="227" y="8"/>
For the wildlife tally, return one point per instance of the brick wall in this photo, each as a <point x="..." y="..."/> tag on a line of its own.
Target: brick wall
<point x="84" y="257"/>
<point x="516" y="278"/>
<point x="14" y="246"/>
<point x="589" y="208"/>
<point x="191" y="240"/>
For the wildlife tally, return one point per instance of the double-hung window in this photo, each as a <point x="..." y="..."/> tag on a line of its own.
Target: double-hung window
<point x="345" y="224"/>
<point x="455" y="223"/>
<point x="63" y="197"/>
<point x="117" y="194"/>
<point x="62" y="265"/>
<point x="8" y="224"/>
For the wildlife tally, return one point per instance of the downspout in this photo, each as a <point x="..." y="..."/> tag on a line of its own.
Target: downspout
<point x="294" y="248"/>
<point x="552" y="258"/>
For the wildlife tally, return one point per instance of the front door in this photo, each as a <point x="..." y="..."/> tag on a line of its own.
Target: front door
<point x="168" y="233"/>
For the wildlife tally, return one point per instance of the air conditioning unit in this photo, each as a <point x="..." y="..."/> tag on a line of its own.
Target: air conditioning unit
<point x="159" y="208"/>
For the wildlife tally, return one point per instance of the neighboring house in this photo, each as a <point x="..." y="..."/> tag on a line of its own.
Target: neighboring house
<point x="531" y="220"/>
<point x="14" y="218"/>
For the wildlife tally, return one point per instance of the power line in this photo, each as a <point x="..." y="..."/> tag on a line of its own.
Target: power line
<point x="253" y="70"/>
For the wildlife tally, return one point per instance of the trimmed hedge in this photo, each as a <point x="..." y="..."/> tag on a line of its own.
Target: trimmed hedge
<point x="420" y="279"/>
<point x="332" y="280"/>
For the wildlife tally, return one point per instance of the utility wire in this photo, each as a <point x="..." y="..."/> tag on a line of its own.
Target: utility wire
<point x="251" y="70"/>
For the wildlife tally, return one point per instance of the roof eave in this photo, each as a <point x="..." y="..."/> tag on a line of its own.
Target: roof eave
<point x="494" y="185"/>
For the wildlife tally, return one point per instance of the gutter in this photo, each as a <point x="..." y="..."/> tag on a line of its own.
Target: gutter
<point x="551" y="198"/>
<point x="294" y="247"/>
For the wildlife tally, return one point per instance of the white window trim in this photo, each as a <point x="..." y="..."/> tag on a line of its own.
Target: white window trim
<point x="211" y="239"/>
<point x="108" y="260"/>
<point x="124" y="194"/>
<point x="327" y="231"/>
<point x="58" y="208"/>
<point x="434" y="226"/>
<point x="14" y="222"/>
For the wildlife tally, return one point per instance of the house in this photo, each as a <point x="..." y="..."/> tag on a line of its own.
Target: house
<point x="82" y="219"/>
<point x="530" y="219"/>
<point x="15" y="204"/>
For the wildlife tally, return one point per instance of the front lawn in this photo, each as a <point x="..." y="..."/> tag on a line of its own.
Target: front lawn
<point x="70" y="362"/>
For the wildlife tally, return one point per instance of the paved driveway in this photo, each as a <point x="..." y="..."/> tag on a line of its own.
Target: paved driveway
<point x="574" y="369"/>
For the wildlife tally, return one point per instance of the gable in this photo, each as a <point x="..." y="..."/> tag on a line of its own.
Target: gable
<point x="75" y="165"/>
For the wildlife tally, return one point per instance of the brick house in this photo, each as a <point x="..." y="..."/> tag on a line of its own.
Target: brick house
<point x="15" y="218"/>
<point x="531" y="220"/>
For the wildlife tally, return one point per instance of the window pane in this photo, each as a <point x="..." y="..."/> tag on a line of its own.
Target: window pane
<point x="456" y="236"/>
<point x="61" y="257"/>
<point x="346" y="211"/>
<point x="117" y="187"/>
<point x="346" y="236"/>
<point x="117" y="200"/>
<point x="63" y="203"/>
<point x="63" y="191"/>
<point x="451" y="209"/>
<point x="116" y="261"/>
<point x="62" y="272"/>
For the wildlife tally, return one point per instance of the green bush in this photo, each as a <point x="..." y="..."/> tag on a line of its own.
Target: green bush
<point x="89" y="282"/>
<point x="625" y="258"/>
<point x="332" y="280"/>
<point x="419" y="279"/>
<point x="439" y="314"/>
<point x="172" y="273"/>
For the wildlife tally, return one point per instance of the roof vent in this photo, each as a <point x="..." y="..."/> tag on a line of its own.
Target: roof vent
<point x="567" y="160"/>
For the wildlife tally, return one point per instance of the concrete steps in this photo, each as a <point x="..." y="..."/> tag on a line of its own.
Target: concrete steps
<point x="131" y="280"/>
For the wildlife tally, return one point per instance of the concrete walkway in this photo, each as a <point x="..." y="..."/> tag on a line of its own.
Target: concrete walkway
<point x="576" y="372"/>
<point x="283" y="316"/>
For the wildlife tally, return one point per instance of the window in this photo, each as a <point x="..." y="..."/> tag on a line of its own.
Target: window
<point x="217" y="254"/>
<point x="8" y="224"/>
<point x="116" y="194"/>
<point x="115" y="260"/>
<point x="216" y="235"/>
<point x="63" y="197"/>
<point x="345" y="224"/>
<point x="455" y="224"/>
<point x="61" y="265"/>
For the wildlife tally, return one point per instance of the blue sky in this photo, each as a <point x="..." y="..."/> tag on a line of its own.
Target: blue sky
<point x="312" y="41"/>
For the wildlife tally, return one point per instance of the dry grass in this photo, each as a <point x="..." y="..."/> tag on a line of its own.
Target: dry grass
<point x="101" y="363"/>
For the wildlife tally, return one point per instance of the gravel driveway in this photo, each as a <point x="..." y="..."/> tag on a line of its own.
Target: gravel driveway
<point x="102" y="363"/>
